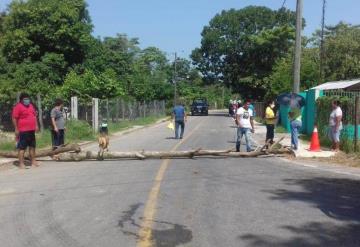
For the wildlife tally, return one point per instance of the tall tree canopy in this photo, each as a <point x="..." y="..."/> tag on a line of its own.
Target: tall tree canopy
<point x="34" y="28"/>
<point x="342" y="52"/>
<point x="240" y="47"/>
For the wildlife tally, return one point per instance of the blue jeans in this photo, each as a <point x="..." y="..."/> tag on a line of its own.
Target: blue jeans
<point x="179" y="124"/>
<point x="295" y="127"/>
<point x="240" y="133"/>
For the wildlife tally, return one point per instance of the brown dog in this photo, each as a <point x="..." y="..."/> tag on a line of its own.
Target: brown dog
<point x="103" y="144"/>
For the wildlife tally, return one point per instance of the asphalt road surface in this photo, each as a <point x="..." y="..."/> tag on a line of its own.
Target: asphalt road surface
<point x="184" y="202"/>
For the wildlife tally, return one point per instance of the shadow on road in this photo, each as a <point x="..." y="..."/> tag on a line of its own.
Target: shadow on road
<point x="338" y="199"/>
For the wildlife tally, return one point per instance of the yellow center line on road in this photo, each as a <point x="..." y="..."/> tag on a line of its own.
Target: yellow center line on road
<point x="145" y="231"/>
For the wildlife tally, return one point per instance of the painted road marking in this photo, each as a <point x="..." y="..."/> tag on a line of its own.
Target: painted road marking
<point x="145" y="231"/>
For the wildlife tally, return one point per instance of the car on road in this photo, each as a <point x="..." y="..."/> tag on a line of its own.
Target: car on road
<point x="199" y="107"/>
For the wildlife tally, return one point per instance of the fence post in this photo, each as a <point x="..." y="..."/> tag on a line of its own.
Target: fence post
<point x="40" y="113"/>
<point x="17" y="97"/>
<point x="155" y="108"/>
<point x="95" y="114"/>
<point x="163" y="107"/>
<point x="356" y="122"/>
<point x="122" y="109"/>
<point x="74" y="107"/>
<point x="117" y="109"/>
<point x="144" y="109"/>
<point x="107" y="111"/>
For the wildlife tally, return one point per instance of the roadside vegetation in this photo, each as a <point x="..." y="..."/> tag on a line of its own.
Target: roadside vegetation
<point x="79" y="131"/>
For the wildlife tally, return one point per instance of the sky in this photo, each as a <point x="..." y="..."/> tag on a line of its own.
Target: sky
<point x="176" y="25"/>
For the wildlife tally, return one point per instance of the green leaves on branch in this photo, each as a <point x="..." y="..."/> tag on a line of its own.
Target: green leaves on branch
<point x="90" y="85"/>
<point x="240" y="47"/>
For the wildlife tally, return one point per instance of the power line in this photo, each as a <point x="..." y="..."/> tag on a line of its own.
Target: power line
<point x="283" y="5"/>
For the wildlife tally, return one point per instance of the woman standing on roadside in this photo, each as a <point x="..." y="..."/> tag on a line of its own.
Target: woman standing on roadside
<point x="335" y="125"/>
<point x="270" y="119"/>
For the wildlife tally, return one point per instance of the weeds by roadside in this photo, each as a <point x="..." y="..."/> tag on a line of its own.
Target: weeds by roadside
<point x="78" y="131"/>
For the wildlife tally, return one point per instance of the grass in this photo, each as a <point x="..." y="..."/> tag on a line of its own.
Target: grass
<point x="78" y="131"/>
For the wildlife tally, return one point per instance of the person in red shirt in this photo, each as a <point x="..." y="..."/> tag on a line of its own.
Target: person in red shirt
<point x="25" y="123"/>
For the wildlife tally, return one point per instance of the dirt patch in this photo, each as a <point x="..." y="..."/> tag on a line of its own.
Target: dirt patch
<point x="341" y="158"/>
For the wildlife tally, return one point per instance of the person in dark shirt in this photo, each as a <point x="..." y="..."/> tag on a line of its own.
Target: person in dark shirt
<point x="179" y="116"/>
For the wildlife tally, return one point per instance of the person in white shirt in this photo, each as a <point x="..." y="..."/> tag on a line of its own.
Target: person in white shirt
<point x="245" y="123"/>
<point x="335" y="125"/>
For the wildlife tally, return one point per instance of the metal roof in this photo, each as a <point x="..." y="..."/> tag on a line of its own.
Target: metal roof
<point x="350" y="85"/>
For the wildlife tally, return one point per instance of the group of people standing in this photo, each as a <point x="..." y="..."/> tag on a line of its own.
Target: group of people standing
<point x="24" y="118"/>
<point x="294" y="115"/>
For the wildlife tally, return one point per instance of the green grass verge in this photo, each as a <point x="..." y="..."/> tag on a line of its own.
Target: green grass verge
<point x="78" y="131"/>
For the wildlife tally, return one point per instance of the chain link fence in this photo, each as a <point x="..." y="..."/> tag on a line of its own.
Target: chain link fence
<point x="116" y="110"/>
<point x="108" y="110"/>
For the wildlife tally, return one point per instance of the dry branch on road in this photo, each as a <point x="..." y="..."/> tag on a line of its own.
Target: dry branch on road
<point x="142" y="155"/>
<point x="45" y="152"/>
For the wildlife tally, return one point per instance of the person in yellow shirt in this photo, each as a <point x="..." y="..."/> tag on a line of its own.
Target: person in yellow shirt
<point x="270" y="120"/>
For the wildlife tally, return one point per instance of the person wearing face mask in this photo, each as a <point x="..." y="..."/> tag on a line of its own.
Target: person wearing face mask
<point x="57" y="124"/>
<point x="270" y="119"/>
<point x="245" y="123"/>
<point x="25" y="123"/>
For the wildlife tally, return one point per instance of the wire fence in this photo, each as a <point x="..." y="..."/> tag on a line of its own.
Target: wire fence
<point x="350" y="105"/>
<point x="116" y="110"/>
<point x="108" y="110"/>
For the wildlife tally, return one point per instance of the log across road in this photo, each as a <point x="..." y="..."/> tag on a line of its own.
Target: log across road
<point x="180" y="202"/>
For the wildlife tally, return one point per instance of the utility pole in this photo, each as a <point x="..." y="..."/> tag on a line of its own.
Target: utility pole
<point x="297" y="57"/>
<point x="322" y="47"/>
<point x="175" y="79"/>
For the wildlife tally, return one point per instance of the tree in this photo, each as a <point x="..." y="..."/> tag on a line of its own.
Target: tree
<point x="90" y="85"/>
<point x="240" y="47"/>
<point x="280" y="80"/>
<point x="342" y="52"/>
<point x="35" y="27"/>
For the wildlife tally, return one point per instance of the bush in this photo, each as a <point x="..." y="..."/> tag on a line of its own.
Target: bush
<point x="78" y="130"/>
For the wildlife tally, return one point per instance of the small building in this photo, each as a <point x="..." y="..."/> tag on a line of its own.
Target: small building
<point x="348" y="86"/>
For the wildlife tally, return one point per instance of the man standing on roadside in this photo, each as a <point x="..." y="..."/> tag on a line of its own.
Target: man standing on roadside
<point x="25" y="123"/>
<point x="179" y="115"/>
<point x="245" y="123"/>
<point x="58" y="124"/>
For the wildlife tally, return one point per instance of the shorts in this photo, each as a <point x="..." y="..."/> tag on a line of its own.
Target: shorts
<point x="57" y="138"/>
<point x="26" y="139"/>
<point x="334" y="134"/>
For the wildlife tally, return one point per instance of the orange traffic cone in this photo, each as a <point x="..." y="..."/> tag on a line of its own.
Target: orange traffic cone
<point x="315" y="144"/>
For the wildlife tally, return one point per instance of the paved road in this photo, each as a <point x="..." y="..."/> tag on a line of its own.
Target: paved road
<point x="200" y="202"/>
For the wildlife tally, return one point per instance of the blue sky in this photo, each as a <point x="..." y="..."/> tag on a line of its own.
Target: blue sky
<point x="175" y="25"/>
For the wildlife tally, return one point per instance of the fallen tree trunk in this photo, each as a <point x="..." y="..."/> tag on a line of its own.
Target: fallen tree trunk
<point x="45" y="152"/>
<point x="141" y="155"/>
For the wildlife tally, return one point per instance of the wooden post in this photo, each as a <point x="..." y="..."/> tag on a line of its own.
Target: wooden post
<point x="144" y="109"/>
<point x="17" y="97"/>
<point x="107" y="111"/>
<point x="74" y="107"/>
<point x="95" y="114"/>
<point x="40" y="113"/>
<point x="117" y="109"/>
<point x="356" y="122"/>
<point x="123" y="109"/>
